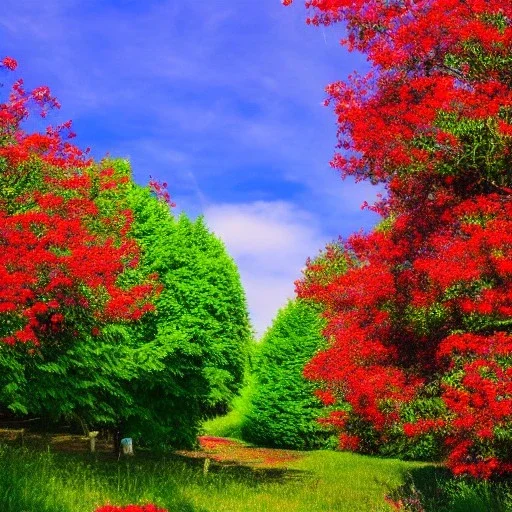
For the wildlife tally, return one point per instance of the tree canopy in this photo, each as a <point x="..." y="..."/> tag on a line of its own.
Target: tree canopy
<point x="420" y="328"/>
<point x="113" y="311"/>
<point x="62" y="249"/>
<point x="201" y="320"/>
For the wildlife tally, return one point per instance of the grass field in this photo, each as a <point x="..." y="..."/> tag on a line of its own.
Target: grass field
<point x="62" y="482"/>
<point x="41" y="481"/>
<point x="230" y="424"/>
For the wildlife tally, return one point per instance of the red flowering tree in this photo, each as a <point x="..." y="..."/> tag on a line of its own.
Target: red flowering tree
<point x="62" y="232"/>
<point x="420" y="326"/>
<point x="437" y="100"/>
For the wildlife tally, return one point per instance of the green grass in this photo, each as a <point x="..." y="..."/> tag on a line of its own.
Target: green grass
<point x="35" y="481"/>
<point x="231" y="424"/>
<point x="356" y="482"/>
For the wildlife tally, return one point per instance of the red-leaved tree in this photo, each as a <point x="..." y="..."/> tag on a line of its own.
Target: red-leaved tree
<point x="63" y="238"/>
<point x="420" y="326"/>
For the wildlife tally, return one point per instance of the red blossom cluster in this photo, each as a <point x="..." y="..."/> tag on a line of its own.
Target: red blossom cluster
<point x="213" y="442"/>
<point x="425" y="308"/>
<point x="63" y="250"/>
<point x="436" y="64"/>
<point x="130" y="508"/>
<point x="430" y="300"/>
<point x="9" y="63"/>
<point x="422" y="426"/>
<point x="161" y="192"/>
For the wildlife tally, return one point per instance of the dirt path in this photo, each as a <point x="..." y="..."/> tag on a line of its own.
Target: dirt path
<point x="217" y="449"/>
<point x="230" y="451"/>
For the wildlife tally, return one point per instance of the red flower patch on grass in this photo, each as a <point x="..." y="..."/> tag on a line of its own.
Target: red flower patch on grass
<point x="211" y="442"/>
<point x="130" y="508"/>
<point x="225" y="450"/>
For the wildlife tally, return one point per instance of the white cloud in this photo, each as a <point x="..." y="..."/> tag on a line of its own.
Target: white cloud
<point x="270" y="241"/>
<point x="265" y="296"/>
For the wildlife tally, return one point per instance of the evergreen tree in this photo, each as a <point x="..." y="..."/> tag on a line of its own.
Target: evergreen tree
<point x="200" y="326"/>
<point x="284" y="411"/>
<point x="156" y="378"/>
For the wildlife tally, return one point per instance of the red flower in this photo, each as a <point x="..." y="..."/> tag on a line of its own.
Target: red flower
<point x="325" y="396"/>
<point x="425" y="298"/>
<point x="130" y="508"/>
<point x="9" y="63"/>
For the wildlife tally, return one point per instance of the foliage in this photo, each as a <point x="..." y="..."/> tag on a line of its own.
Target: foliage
<point x="200" y="330"/>
<point x="425" y="314"/>
<point x="62" y="252"/>
<point x="430" y="489"/>
<point x="82" y="248"/>
<point x="230" y="425"/>
<point x="157" y="378"/>
<point x="91" y="378"/>
<point x="79" y="380"/>
<point x="64" y="230"/>
<point x="437" y="98"/>
<point x="283" y="410"/>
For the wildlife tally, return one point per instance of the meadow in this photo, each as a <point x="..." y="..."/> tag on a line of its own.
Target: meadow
<point x="43" y="480"/>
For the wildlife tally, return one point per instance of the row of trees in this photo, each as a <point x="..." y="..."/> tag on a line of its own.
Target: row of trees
<point x="113" y="312"/>
<point x="283" y="408"/>
<point x="419" y="326"/>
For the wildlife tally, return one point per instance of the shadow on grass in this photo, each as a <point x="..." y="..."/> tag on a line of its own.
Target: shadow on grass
<point x="257" y="476"/>
<point x="435" y="489"/>
<point x="239" y="472"/>
<point x="34" y="481"/>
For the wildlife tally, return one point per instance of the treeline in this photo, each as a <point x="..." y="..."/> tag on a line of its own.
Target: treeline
<point x="114" y="312"/>
<point x="417" y="360"/>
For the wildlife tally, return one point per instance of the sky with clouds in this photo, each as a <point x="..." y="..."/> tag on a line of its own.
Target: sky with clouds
<point x="222" y="100"/>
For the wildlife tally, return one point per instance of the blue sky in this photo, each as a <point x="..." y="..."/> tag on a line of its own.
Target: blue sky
<point x="222" y="100"/>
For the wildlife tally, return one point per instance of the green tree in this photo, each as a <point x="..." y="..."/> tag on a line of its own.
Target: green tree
<point x="156" y="378"/>
<point x="200" y="324"/>
<point x="284" y="411"/>
<point x="86" y="380"/>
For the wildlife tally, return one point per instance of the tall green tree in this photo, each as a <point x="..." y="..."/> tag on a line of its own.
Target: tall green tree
<point x="201" y="321"/>
<point x="158" y="377"/>
<point x="284" y="411"/>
